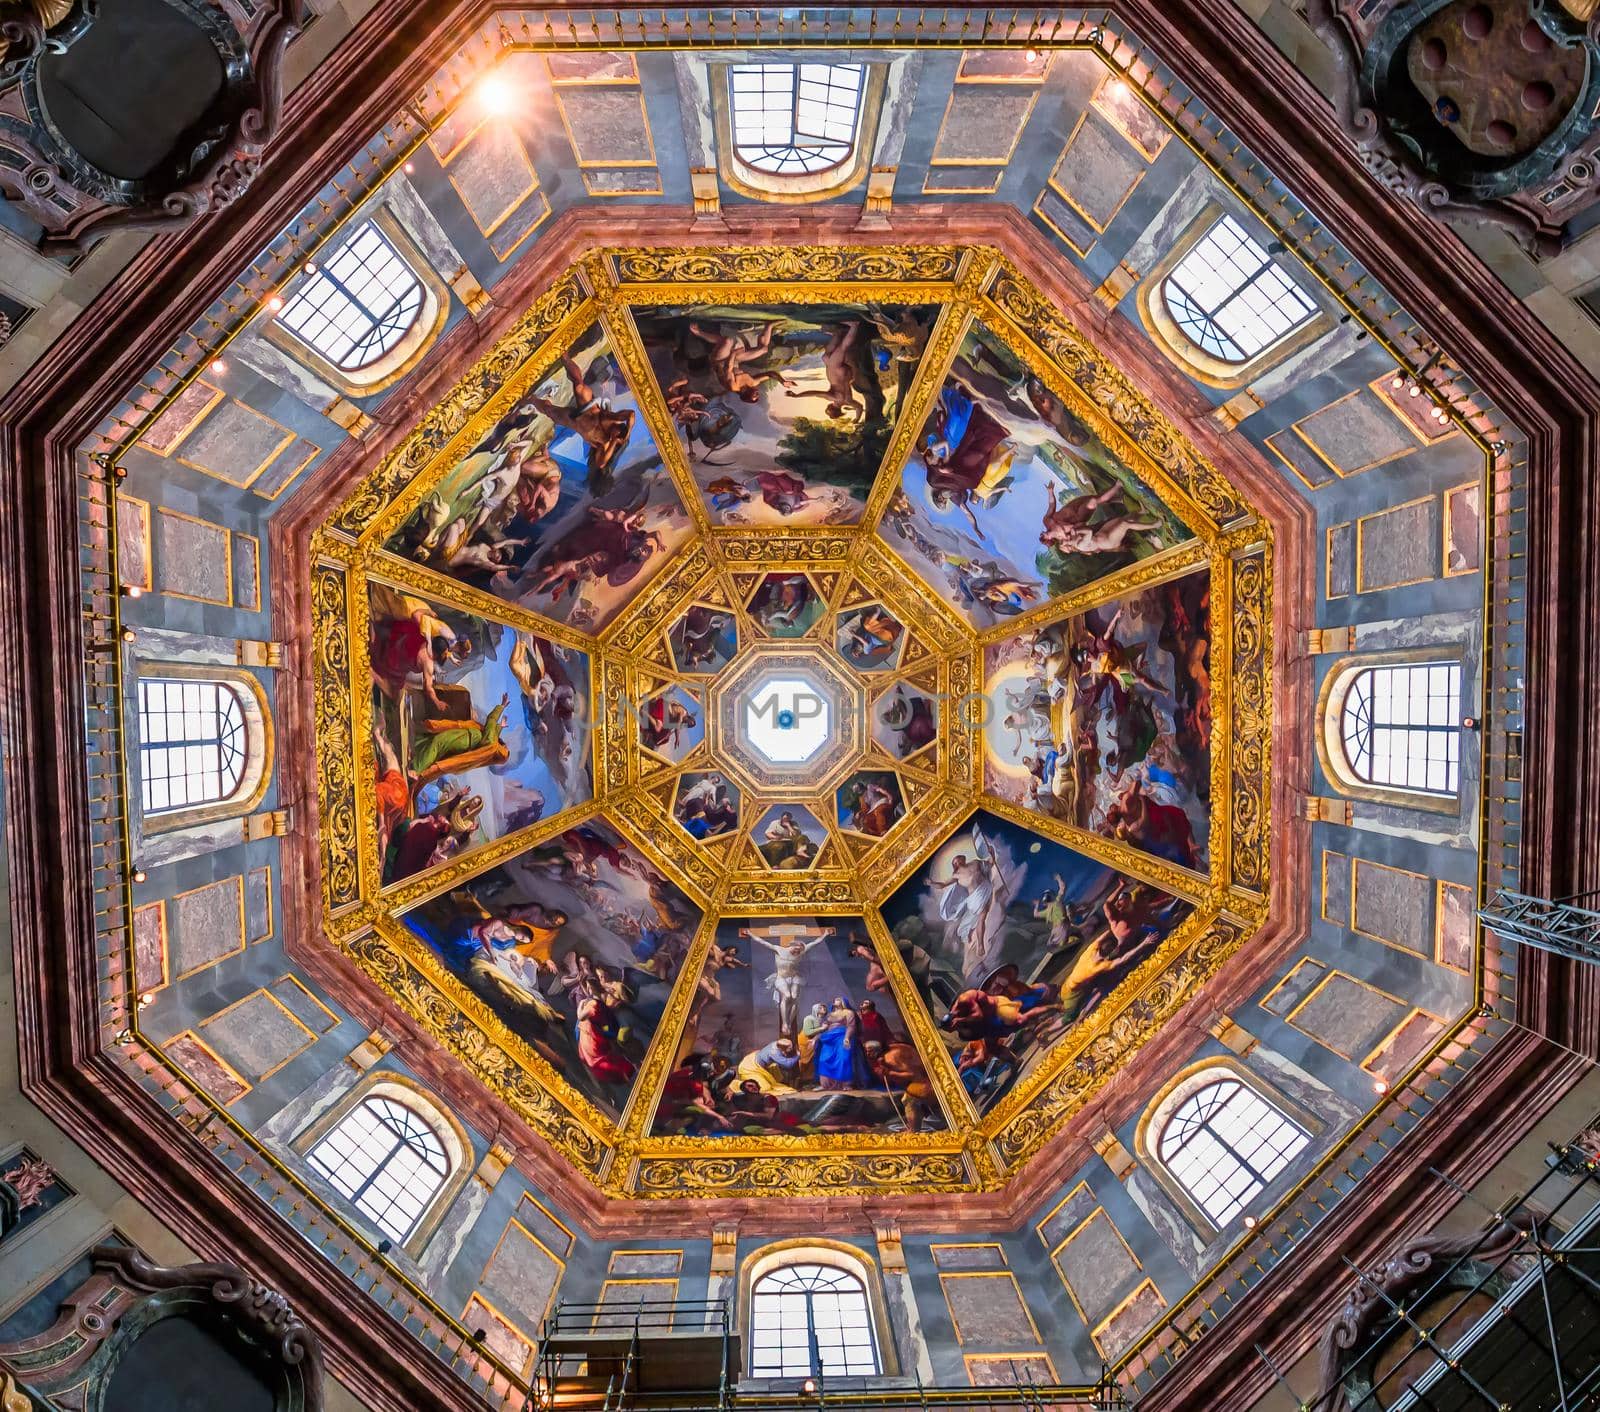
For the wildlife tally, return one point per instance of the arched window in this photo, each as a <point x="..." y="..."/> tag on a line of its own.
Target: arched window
<point x="1228" y="297"/>
<point x="386" y="1159"/>
<point x="811" y="1319"/>
<point x="1223" y="1143"/>
<point x="193" y="743"/>
<point x="358" y="304"/>
<point x="796" y="119"/>
<point x="1400" y="726"/>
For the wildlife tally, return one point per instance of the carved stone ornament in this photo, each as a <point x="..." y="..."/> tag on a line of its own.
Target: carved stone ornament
<point x="1426" y="1269"/>
<point x="210" y="162"/>
<point x="73" y="1361"/>
<point x="1480" y="110"/>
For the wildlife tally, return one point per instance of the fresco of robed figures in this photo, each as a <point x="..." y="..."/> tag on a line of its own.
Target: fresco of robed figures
<point x="1104" y="720"/>
<point x="480" y="729"/>
<point x="575" y="945"/>
<point x="1010" y="500"/>
<point x="794" y="1029"/>
<point x="787" y="605"/>
<point x="789" y="838"/>
<point x="1013" y="939"/>
<point x="564" y="507"/>
<point x="785" y="412"/>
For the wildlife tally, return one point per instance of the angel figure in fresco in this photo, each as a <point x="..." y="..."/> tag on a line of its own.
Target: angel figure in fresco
<point x="972" y="902"/>
<point x="612" y="545"/>
<point x="602" y="428"/>
<point x="786" y="982"/>
<point x="839" y="368"/>
<point x="968" y="456"/>
<point x="731" y="358"/>
<point x="409" y="639"/>
<point x="449" y="745"/>
<point x="1066" y="525"/>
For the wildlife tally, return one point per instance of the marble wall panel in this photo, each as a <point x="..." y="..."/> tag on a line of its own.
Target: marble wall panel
<point x="1065" y="1216"/>
<point x="1096" y="1265"/>
<point x="193" y="559"/>
<point x="1118" y="1333"/>
<point x="207" y="925"/>
<point x="521" y="1278"/>
<point x="150" y="945"/>
<point x="256" y="1036"/>
<point x="234" y="443"/>
<point x="205" y="1069"/>
<point x="1356" y="433"/>
<point x="1347" y="1015"/>
<point x="1393" y="906"/>
<point x="1398" y="546"/>
<point x="988" y="1309"/>
<point x="1097" y="171"/>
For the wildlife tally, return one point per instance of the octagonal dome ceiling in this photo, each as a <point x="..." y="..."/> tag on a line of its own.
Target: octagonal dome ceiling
<point x="793" y="718"/>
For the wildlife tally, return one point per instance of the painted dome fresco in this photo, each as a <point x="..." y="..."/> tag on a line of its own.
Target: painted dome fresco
<point x="793" y="717"/>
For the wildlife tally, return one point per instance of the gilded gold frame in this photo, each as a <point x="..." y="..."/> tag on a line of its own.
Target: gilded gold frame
<point x="855" y="874"/>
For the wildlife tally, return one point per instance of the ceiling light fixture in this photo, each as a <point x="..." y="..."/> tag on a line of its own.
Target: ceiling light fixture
<point x="219" y="366"/>
<point x="274" y="303"/>
<point x="494" y="95"/>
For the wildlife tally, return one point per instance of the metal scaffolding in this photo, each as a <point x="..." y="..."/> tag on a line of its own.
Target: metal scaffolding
<point x="1558" y="926"/>
<point x="683" y="1356"/>
<point x="1509" y="1323"/>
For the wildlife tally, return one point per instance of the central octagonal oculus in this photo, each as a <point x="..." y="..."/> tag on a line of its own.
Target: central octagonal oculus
<point x="787" y="719"/>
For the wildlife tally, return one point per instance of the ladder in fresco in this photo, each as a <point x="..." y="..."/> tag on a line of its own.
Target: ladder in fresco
<point x="1559" y="926"/>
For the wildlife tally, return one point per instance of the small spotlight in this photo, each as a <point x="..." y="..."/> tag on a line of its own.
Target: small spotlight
<point x="1414" y="391"/>
<point x="219" y="366"/>
<point x="127" y="634"/>
<point x="132" y="590"/>
<point x="274" y="303"/>
<point x="138" y="875"/>
<point x="478" y="1335"/>
<point x="1032" y="56"/>
<point x="148" y="998"/>
<point x="410" y="167"/>
<point x="1249" y="1223"/>
<point x="1380" y="1087"/>
<point x="809" y="1386"/>
<point x="384" y="1247"/>
<point x="494" y="95"/>
<point x="310" y="267"/>
<point x="1397" y="382"/>
<point x="120" y="472"/>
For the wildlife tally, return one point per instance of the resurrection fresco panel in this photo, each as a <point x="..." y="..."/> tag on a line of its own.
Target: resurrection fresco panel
<point x="785" y="412"/>
<point x="480" y="729"/>
<point x="794" y="1029"/>
<point x="1009" y="500"/>
<point x="575" y="945"/>
<point x="564" y="507"/>
<point x="1104" y="719"/>
<point x="1013" y="939"/>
